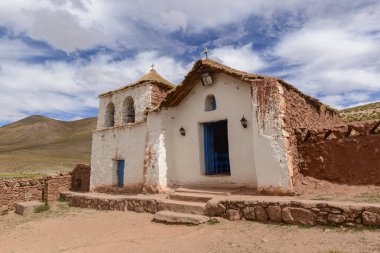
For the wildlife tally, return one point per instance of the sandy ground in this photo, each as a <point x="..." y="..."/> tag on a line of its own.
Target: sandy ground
<point x="67" y="229"/>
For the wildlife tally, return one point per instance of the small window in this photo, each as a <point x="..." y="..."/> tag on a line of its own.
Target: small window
<point x="210" y="103"/>
<point x="110" y="115"/>
<point x="128" y="110"/>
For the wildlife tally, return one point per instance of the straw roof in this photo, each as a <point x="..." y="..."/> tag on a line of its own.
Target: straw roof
<point x="152" y="77"/>
<point x="176" y="95"/>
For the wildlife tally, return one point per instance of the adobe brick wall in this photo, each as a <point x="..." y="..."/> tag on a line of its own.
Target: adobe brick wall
<point x="301" y="111"/>
<point x="347" y="154"/>
<point x="56" y="184"/>
<point x="42" y="189"/>
<point x="13" y="191"/>
<point x="158" y="94"/>
<point x="81" y="178"/>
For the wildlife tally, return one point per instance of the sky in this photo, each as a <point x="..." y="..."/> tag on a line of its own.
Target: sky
<point x="57" y="56"/>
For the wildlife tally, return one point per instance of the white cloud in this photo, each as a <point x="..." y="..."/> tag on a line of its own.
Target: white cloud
<point x="241" y="58"/>
<point x="72" y="88"/>
<point x="335" y="59"/>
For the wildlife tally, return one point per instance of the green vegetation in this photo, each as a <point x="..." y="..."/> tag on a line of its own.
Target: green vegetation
<point x="20" y="175"/>
<point x="4" y="212"/>
<point x="360" y="113"/>
<point x="43" y="208"/>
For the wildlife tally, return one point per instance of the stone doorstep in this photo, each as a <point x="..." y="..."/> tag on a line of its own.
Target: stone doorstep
<point x="192" y="197"/>
<point x="205" y="191"/>
<point x="182" y="206"/>
<point x="28" y="207"/>
<point x="180" y="218"/>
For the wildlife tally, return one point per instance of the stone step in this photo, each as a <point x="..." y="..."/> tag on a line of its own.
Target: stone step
<point x="193" y="197"/>
<point x="204" y="191"/>
<point x="181" y="218"/>
<point x="181" y="206"/>
<point x="28" y="207"/>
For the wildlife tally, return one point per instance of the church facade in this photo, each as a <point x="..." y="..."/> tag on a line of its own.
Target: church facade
<point x="220" y="126"/>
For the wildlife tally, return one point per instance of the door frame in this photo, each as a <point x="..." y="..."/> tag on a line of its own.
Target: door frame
<point x="120" y="172"/>
<point x="208" y="148"/>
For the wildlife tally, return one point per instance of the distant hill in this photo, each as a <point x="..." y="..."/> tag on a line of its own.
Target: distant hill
<point x="360" y="113"/>
<point x="40" y="144"/>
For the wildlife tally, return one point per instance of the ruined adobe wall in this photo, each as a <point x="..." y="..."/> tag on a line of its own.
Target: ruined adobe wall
<point x="42" y="189"/>
<point x="347" y="154"/>
<point x="56" y="184"/>
<point x="301" y="111"/>
<point x="158" y="94"/>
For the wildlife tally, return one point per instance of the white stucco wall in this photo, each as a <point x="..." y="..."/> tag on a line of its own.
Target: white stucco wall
<point x="141" y="95"/>
<point x="118" y="143"/>
<point x="269" y="146"/>
<point x="185" y="154"/>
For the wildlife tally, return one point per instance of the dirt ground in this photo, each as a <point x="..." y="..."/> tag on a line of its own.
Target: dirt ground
<point x="66" y="229"/>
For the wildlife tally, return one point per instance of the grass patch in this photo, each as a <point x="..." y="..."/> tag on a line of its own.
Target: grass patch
<point x="4" y="212"/>
<point x="304" y="226"/>
<point x="43" y="208"/>
<point x="20" y="175"/>
<point x="61" y="199"/>
<point x="213" y="221"/>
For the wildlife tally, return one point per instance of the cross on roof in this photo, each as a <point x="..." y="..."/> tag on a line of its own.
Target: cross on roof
<point x="205" y="52"/>
<point x="152" y="66"/>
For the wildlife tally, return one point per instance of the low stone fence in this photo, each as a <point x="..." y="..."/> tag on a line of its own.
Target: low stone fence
<point x="113" y="202"/>
<point x="297" y="212"/>
<point x="269" y="209"/>
<point x="43" y="189"/>
<point x="347" y="154"/>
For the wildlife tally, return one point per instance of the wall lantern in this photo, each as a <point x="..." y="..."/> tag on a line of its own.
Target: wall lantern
<point x="206" y="79"/>
<point x="182" y="131"/>
<point x="244" y="122"/>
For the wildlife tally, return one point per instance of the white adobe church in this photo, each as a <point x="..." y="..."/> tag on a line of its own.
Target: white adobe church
<point x="220" y="126"/>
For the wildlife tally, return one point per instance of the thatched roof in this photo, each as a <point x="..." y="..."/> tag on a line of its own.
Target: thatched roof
<point x="152" y="77"/>
<point x="175" y="96"/>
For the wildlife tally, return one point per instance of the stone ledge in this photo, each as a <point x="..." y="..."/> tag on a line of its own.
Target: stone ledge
<point x="273" y="209"/>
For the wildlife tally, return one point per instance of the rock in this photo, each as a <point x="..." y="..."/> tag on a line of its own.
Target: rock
<point x="294" y="215"/>
<point x="28" y="207"/>
<point x="321" y="220"/>
<point x="215" y="208"/>
<point x="274" y="213"/>
<point x="371" y="219"/>
<point x="183" y="218"/>
<point x="265" y="240"/>
<point x="232" y="214"/>
<point x="261" y="214"/>
<point x="249" y="213"/>
<point x="336" y="218"/>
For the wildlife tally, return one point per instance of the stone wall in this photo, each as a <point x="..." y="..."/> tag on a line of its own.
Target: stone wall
<point x="345" y="154"/>
<point x="297" y="212"/>
<point x="252" y="208"/>
<point x="42" y="189"/>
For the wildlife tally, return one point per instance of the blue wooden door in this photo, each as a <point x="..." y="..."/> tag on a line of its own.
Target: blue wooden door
<point x="121" y="173"/>
<point x="209" y="148"/>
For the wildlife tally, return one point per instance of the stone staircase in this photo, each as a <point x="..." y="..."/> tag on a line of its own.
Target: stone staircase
<point x="187" y="205"/>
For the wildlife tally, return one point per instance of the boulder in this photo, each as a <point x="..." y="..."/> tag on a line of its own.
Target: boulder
<point x="215" y="208"/>
<point x="249" y="213"/>
<point x="336" y="218"/>
<point x="261" y="214"/>
<point x="233" y="214"/>
<point x="295" y="215"/>
<point x="371" y="219"/>
<point x="274" y="213"/>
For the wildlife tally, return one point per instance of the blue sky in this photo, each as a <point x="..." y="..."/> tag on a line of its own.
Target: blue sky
<point x="56" y="56"/>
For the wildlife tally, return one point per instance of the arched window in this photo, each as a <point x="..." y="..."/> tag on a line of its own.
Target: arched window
<point x="128" y="110"/>
<point x="110" y="115"/>
<point x="210" y="103"/>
